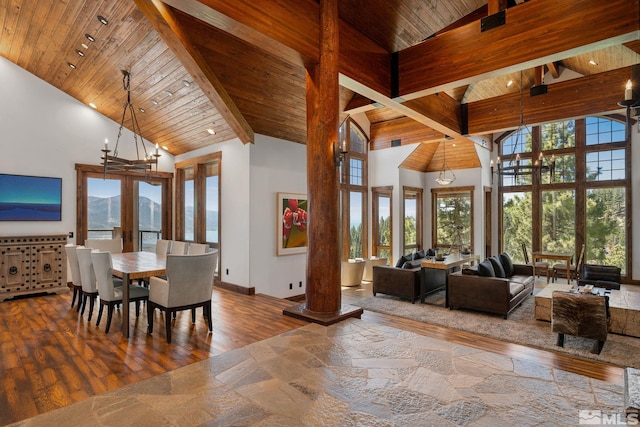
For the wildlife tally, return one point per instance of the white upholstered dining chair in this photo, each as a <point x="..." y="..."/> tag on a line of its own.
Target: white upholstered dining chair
<point x="109" y="245"/>
<point x="111" y="295"/>
<point x="188" y="285"/>
<point x="162" y="246"/>
<point x="74" y="269"/>
<point x="88" y="278"/>
<point x="197" y="248"/>
<point x="178" y="247"/>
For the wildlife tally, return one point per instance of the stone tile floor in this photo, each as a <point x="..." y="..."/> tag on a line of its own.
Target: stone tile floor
<point x="350" y="374"/>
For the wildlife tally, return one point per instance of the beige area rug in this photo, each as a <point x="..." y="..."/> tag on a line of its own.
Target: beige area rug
<point x="520" y="328"/>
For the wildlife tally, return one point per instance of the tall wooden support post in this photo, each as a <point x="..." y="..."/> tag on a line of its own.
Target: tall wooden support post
<point x="323" y="295"/>
<point x="495" y="6"/>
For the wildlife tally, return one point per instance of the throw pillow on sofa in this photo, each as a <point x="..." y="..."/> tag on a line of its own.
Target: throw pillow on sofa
<point x="401" y="261"/>
<point x="497" y="267"/>
<point x="485" y="269"/>
<point x="412" y="264"/>
<point x="507" y="264"/>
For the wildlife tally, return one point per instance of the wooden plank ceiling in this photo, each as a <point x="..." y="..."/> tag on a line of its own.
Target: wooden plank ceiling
<point x="238" y="67"/>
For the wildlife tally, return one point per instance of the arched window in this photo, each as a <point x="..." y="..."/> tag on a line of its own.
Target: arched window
<point x="583" y="200"/>
<point x="354" y="189"/>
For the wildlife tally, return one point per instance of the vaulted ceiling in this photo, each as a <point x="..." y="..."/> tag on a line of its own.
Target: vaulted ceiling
<point x="239" y="67"/>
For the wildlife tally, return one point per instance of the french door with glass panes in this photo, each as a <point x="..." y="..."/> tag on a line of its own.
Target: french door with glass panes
<point x="128" y="204"/>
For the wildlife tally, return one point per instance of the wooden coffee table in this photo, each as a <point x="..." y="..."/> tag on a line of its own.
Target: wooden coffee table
<point x="624" y="307"/>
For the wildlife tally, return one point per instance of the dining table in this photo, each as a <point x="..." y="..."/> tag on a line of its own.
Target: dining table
<point x="135" y="266"/>
<point x="540" y="255"/>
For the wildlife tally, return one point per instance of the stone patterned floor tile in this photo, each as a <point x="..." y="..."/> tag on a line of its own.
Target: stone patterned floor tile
<point x="350" y="374"/>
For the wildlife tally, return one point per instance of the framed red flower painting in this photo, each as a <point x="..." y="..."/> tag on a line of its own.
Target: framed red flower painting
<point x="292" y="220"/>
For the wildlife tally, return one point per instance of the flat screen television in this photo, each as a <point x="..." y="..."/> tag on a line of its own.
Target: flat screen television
<point x="30" y="198"/>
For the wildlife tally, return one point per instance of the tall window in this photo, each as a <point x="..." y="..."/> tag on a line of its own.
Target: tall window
<point x="584" y="201"/>
<point x="412" y="224"/>
<point x="515" y="231"/>
<point x="452" y="218"/>
<point x="606" y="227"/>
<point x="212" y="190"/>
<point x="198" y="200"/>
<point x="559" y="221"/>
<point x="189" y="225"/>
<point x="353" y="190"/>
<point x="382" y="222"/>
<point x="103" y="207"/>
<point x="149" y="207"/>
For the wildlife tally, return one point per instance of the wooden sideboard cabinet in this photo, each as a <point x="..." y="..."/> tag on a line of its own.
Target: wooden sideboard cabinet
<point x="32" y="265"/>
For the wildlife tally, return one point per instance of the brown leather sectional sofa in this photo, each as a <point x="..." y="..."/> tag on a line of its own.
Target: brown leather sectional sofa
<point x="468" y="289"/>
<point x="402" y="282"/>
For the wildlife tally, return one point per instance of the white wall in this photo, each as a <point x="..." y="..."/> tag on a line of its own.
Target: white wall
<point x="252" y="174"/>
<point x="45" y="132"/>
<point x="276" y="166"/>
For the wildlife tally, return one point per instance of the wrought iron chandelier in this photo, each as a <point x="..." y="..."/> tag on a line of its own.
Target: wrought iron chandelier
<point x="113" y="162"/>
<point x="446" y="175"/>
<point x="631" y="101"/>
<point x="518" y="167"/>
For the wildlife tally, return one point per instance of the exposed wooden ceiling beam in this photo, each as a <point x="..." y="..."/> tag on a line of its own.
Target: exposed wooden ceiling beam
<point x="536" y="33"/>
<point x="451" y="127"/>
<point x="554" y="69"/>
<point x="439" y="107"/>
<point x="571" y="98"/>
<point x="290" y="29"/>
<point x="359" y="104"/>
<point x="412" y="132"/>
<point x="164" y="22"/>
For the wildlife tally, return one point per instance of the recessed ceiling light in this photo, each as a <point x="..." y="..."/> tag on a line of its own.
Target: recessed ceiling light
<point x="141" y="109"/>
<point x="168" y="93"/>
<point x="103" y="20"/>
<point x="211" y="131"/>
<point x="164" y="147"/>
<point x="84" y="45"/>
<point x="186" y="83"/>
<point x="72" y="66"/>
<point x="92" y="105"/>
<point x="592" y="62"/>
<point x="90" y="38"/>
<point x="509" y="83"/>
<point x="79" y="52"/>
<point x="154" y="102"/>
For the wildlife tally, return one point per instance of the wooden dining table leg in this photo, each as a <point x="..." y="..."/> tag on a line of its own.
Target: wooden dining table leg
<point x="125" y="304"/>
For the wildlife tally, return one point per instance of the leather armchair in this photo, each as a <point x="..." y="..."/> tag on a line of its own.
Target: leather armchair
<point x="601" y="276"/>
<point x="399" y="282"/>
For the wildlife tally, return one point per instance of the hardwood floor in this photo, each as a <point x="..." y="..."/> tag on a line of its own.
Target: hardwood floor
<point x="50" y="357"/>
